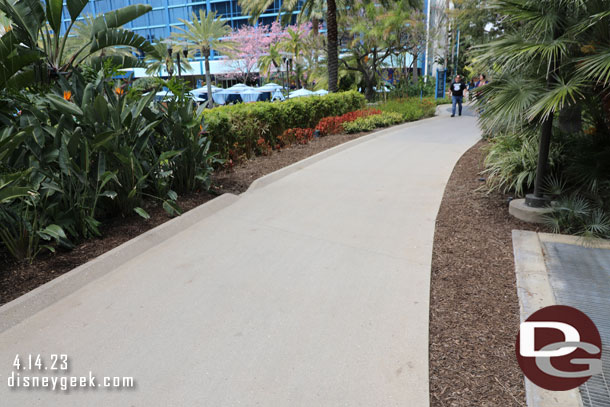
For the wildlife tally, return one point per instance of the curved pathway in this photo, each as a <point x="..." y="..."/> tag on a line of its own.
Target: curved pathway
<point x="311" y="289"/>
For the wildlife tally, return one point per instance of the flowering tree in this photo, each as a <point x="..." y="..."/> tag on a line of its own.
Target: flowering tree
<point x="251" y="44"/>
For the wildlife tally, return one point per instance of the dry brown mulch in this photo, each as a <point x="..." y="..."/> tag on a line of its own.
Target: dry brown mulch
<point x="474" y="309"/>
<point x="17" y="279"/>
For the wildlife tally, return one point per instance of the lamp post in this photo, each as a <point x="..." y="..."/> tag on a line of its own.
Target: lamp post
<point x="185" y="52"/>
<point x="169" y="65"/>
<point x="287" y="58"/>
<point x="168" y="62"/>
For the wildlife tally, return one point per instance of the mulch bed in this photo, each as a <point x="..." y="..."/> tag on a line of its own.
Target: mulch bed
<point x="474" y="309"/>
<point x="17" y="279"/>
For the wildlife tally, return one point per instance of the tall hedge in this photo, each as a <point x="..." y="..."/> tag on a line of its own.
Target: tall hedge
<point x="240" y="126"/>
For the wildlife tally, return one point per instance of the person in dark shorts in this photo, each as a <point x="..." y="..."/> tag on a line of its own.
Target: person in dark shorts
<point x="457" y="94"/>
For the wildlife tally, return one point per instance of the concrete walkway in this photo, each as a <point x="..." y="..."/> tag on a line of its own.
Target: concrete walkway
<point x="311" y="290"/>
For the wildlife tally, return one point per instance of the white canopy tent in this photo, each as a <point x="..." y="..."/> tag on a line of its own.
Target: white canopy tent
<point x="300" y="93"/>
<point x="240" y="87"/>
<point x="250" y="95"/>
<point x="204" y="89"/>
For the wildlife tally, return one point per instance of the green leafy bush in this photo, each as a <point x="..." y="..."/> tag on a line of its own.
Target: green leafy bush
<point x="442" y="101"/>
<point x="510" y="163"/>
<point x="579" y="215"/>
<point x="410" y="108"/>
<point x="82" y="151"/>
<point x="369" y="123"/>
<point x="230" y="126"/>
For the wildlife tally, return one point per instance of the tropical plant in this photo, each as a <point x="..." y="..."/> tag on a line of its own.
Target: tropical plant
<point x="551" y="78"/>
<point x="292" y="45"/>
<point x="373" y="37"/>
<point x="553" y="57"/>
<point x="87" y="150"/>
<point x="271" y="60"/>
<point x="181" y="130"/>
<point x="161" y="59"/>
<point x="36" y="35"/>
<point x="205" y="33"/>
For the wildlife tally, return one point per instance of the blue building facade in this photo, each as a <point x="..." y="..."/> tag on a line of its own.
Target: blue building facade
<point x="165" y="16"/>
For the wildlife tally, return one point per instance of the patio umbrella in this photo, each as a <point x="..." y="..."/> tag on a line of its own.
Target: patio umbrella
<point x="300" y="93"/>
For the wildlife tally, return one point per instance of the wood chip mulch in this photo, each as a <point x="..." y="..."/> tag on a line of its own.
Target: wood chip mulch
<point x="474" y="309"/>
<point x="17" y="279"/>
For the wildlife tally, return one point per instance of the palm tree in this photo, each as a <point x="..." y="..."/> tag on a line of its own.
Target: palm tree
<point x="293" y="44"/>
<point x="273" y="59"/>
<point x="205" y="33"/>
<point x="308" y="8"/>
<point x="161" y="58"/>
<point x="552" y="62"/>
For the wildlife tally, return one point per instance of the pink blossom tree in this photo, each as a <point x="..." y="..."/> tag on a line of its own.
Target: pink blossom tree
<point x="251" y="43"/>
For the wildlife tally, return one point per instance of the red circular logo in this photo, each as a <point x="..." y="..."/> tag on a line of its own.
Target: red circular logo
<point x="559" y="348"/>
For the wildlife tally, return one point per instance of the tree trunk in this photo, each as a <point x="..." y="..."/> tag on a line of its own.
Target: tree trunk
<point x="369" y="91"/>
<point x="208" y="79"/>
<point x="415" y="76"/>
<point x="333" y="45"/>
<point x="315" y="26"/>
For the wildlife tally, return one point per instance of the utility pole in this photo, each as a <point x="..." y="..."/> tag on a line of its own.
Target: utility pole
<point x="457" y="50"/>
<point x="427" y="40"/>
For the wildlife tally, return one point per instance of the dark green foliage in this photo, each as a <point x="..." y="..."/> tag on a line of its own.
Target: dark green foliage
<point x="231" y="125"/>
<point x="410" y="108"/>
<point x="83" y="151"/>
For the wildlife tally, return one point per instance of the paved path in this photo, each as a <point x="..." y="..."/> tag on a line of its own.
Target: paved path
<point x="310" y="291"/>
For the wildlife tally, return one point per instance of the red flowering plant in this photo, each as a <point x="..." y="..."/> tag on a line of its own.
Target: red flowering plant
<point x="334" y="124"/>
<point x="296" y="135"/>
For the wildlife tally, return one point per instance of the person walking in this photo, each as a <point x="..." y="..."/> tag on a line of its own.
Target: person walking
<point x="457" y="94"/>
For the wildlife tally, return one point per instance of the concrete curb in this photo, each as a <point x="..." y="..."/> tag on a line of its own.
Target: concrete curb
<point x="535" y="292"/>
<point x="29" y="304"/>
<point x="292" y="168"/>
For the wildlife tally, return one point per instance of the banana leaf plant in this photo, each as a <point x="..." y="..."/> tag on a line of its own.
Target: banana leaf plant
<point x="34" y="49"/>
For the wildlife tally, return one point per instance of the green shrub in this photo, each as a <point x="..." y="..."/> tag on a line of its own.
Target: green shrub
<point x="510" y="163"/>
<point x="83" y="151"/>
<point x="369" y="123"/>
<point x="411" y="109"/>
<point x="230" y="126"/>
<point x="580" y="214"/>
<point x="442" y="101"/>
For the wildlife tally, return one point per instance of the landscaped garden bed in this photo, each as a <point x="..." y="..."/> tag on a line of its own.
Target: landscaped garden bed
<point x="474" y="309"/>
<point x="17" y="278"/>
